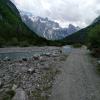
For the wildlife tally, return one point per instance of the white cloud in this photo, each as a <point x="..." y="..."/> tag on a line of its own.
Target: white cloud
<point x="77" y="12"/>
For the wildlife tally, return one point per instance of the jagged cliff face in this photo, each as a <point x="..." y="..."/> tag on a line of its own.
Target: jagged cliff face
<point x="72" y="29"/>
<point x="47" y="28"/>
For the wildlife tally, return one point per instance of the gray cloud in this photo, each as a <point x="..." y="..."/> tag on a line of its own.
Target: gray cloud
<point x="77" y="12"/>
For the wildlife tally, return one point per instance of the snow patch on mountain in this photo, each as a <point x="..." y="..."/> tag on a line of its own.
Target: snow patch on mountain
<point x="47" y="28"/>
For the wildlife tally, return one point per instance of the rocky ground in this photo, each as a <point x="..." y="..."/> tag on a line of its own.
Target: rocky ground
<point x="29" y="79"/>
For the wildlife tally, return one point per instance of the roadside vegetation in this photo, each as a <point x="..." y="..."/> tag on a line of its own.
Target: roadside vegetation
<point x="94" y="40"/>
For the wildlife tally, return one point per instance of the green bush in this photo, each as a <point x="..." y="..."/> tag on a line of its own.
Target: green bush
<point x="8" y="95"/>
<point x="24" y="44"/>
<point x="2" y="42"/>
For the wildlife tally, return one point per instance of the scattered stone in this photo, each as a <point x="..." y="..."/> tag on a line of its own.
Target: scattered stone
<point x="6" y="59"/>
<point x="20" y="61"/>
<point x="54" y="54"/>
<point x="31" y="71"/>
<point x="20" y="95"/>
<point x="36" y="57"/>
<point x="46" y="68"/>
<point x="14" y="87"/>
<point x="98" y="61"/>
<point x="60" y="51"/>
<point x="48" y="54"/>
<point x="24" y="59"/>
<point x="42" y="59"/>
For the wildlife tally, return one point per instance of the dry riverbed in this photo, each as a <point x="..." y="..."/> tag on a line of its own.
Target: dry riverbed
<point x="29" y="79"/>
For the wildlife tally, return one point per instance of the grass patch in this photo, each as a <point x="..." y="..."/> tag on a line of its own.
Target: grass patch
<point x="78" y="45"/>
<point x="8" y="95"/>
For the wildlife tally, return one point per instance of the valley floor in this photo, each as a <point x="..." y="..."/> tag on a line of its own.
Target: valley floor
<point x="52" y="75"/>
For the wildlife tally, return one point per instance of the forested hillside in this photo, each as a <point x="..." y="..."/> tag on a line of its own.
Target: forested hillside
<point x="13" y="31"/>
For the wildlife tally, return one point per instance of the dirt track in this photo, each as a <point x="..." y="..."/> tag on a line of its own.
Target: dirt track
<point x="78" y="80"/>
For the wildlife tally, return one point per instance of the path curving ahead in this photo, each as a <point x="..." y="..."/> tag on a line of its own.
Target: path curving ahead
<point x="78" y="80"/>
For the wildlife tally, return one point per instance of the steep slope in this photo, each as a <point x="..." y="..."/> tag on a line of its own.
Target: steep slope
<point x="82" y="36"/>
<point x="78" y="37"/>
<point x="12" y="30"/>
<point x="96" y="20"/>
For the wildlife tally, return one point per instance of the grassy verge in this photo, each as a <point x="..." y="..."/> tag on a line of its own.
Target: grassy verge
<point x="8" y="95"/>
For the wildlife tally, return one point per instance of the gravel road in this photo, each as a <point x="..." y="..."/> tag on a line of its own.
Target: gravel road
<point x="78" y="80"/>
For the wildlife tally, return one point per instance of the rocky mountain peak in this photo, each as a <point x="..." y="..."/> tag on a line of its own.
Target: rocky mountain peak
<point x="47" y="28"/>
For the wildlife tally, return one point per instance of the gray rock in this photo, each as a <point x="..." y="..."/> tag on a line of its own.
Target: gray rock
<point x="14" y="87"/>
<point x="54" y="54"/>
<point x="20" y="95"/>
<point x="24" y="59"/>
<point x="36" y="57"/>
<point x="6" y="59"/>
<point x="42" y="59"/>
<point x="98" y="61"/>
<point x="48" y="54"/>
<point x="31" y="71"/>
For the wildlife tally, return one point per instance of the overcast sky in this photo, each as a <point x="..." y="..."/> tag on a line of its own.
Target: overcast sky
<point x="77" y="12"/>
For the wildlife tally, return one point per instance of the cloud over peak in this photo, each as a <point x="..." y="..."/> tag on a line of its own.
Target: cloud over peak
<point x="77" y="12"/>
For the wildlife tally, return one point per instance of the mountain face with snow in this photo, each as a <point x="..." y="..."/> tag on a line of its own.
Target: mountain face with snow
<point x="47" y="28"/>
<point x="72" y="29"/>
<point x="97" y="20"/>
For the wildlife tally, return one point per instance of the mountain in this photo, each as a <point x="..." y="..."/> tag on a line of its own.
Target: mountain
<point x="96" y="20"/>
<point x="89" y="36"/>
<point x="47" y="28"/>
<point x="72" y="29"/>
<point x="12" y="30"/>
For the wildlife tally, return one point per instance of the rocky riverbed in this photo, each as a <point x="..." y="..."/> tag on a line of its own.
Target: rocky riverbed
<point x="29" y="79"/>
